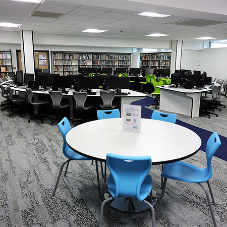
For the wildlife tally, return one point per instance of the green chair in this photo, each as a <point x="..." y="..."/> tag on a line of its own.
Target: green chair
<point x="156" y="92"/>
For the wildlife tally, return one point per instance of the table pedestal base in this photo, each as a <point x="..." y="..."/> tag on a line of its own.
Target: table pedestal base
<point x="132" y="204"/>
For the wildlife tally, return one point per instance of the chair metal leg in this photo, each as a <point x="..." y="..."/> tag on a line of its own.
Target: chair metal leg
<point x="105" y="173"/>
<point x="101" y="211"/>
<point x="162" y="177"/>
<point x="101" y="169"/>
<point x="160" y="200"/>
<point x="97" y="172"/>
<point x="59" y="175"/>
<point x="152" y="212"/>
<point x="211" y="194"/>
<point x="67" y="167"/>
<point x="208" y="199"/>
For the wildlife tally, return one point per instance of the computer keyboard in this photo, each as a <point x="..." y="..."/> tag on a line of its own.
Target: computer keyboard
<point x="91" y="93"/>
<point x="121" y="93"/>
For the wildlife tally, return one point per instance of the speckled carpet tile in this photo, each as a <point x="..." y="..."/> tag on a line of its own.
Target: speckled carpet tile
<point x="31" y="156"/>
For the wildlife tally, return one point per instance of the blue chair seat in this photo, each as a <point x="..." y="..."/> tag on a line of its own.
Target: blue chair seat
<point x="70" y="154"/>
<point x="186" y="172"/>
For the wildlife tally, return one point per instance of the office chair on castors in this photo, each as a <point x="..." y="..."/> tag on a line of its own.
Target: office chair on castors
<point x="35" y="103"/>
<point x="107" y="99"/>
<point x="80" y="99"/>
<point x="58" y="103"/>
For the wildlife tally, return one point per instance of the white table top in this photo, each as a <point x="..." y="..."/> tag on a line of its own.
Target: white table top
<point x="183" y="90"/>
<point x="163" y="141"/>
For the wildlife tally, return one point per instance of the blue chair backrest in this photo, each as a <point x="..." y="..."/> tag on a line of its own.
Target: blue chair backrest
<point x="164" y="117"/>
<point x="64" y="127"/>
<point x="105" y="114"/>
<point x="128" y="173"/>
<point x="212" y="145"/>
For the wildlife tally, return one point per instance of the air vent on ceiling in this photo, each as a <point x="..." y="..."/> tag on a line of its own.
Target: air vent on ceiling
<point x="46" y="14"/>
<point x="197" y="22"/>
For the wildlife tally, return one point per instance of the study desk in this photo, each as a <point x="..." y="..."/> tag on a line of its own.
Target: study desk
<point x="181" y="100"/>
<point x="163" y="141"/>
<point x="124" y="99"/>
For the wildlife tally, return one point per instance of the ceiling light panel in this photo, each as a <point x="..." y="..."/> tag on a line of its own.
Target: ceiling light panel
<point x="151" y="14"/>
<point x="91" y="30"/>
<point x="28" y="1"/>
<point x="9" y="25"/>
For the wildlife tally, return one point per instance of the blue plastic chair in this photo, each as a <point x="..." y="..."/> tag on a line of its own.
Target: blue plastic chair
<point x="183" y="171"/>
<point x="164" y="117"/>
<point x="129" y="178"/>
<point x="64" y="127"/>
<point x="172" y="118"/>
<point x="105" y="114"/>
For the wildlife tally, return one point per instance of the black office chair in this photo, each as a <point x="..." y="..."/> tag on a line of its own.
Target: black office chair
<point x="209" y="102"/>
<point x="16" y="100"/>
<point x="35" y="103"/>
<point x="58" y="103"/>
<point x="5" y="95"/>
<point x="107" y="97"/>
<point x="80" y="99"/>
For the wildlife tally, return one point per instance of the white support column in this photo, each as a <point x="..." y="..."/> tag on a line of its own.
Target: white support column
<point x="27" y="51"/>
<point x="176" y="55"/>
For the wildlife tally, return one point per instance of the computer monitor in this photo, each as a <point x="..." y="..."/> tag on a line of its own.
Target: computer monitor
<point x="61" y="82"/>
<point x="19" y="78"/>
<point x="119" y="82"/>
<point x="107" y="71"/>
<point x="134" y="71"/>
<point x="46" y="71"/>
<point x="164" y="72"/>
<point x="148" y="71"/>
<point x="87" y="71"/>
<point x="196" y="79"/>
<point x="175" y="78"/>
<point x="88" y="83"/>
<point x="44" y="80"/>
<point x="157" y="72"/>
<point x="120" y="71"/>
<point x="28" y="77"/>
<point x="196" y="72"/>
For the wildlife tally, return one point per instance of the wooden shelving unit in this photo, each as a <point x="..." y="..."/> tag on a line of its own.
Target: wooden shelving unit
<point x="65" y="63"/>
<point x="5" y="63"/>
<point x="159" y="60"/>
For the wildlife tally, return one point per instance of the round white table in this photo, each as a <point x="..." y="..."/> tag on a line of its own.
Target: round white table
<point x="164" y="142"/>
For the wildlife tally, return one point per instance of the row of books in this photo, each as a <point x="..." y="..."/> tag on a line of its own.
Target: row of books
<point x="121" y="57"/>
<point x="111" y="57"/>
<point x="70" y="68"/>
<point x="70" y="56"/>
<point x="4" y="69"/>
<point x="123" y="63"/>
<point x="98" y="62"/>
<point x="144" y="57"/>
<point x="165" y="63"/>
<point x="84" y="57"/>
<point x="5" y="56"/>
<point x="98" y="56"/>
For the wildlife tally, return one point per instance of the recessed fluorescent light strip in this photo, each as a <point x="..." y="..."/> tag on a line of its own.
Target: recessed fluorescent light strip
<point x="205" y="38"/>
<point x="29" y="1"/>
<point x="94" y="30"/>
<point x="9" y="25"/>
<point x="157" y="35"/>
<point x="150" y="14"/>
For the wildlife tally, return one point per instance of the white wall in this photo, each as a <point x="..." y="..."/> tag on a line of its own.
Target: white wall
<point x="213" y="61"/>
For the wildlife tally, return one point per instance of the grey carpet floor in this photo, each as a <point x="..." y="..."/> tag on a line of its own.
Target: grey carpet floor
<point x="31" y="155"/>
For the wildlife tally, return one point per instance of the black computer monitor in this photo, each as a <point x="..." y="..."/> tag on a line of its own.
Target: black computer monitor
<point x="175" y="78"/>
<point x="197" y="80"/>
<point x="120" y="71"/>
<point x="46" y="71"/>
<point x="87" y="71"/>
<point x="118" y="82"/>
<point x="107" y="71"/>
<point x="61" y="82"/>
<point x="164" y="72"/>
<point x="19" y="78"/>
<point x="44" y="80"/>
<point x="88" y="83"/>
<point x="196" y="72"/>
<point x="134" y="71"/>
<point x="148" y="71"/>
<point x="28" y="77"/>
<point x="157" y="72"/>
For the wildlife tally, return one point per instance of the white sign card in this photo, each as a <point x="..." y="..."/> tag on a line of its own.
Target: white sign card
<point x="131" y="118"/>
<point x="42" y="59"/>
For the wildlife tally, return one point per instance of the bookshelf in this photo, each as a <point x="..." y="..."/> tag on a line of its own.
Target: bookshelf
<point x="5" y="63"/>
<point x="66" y="63"/>
<point x="159" y="60"/>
